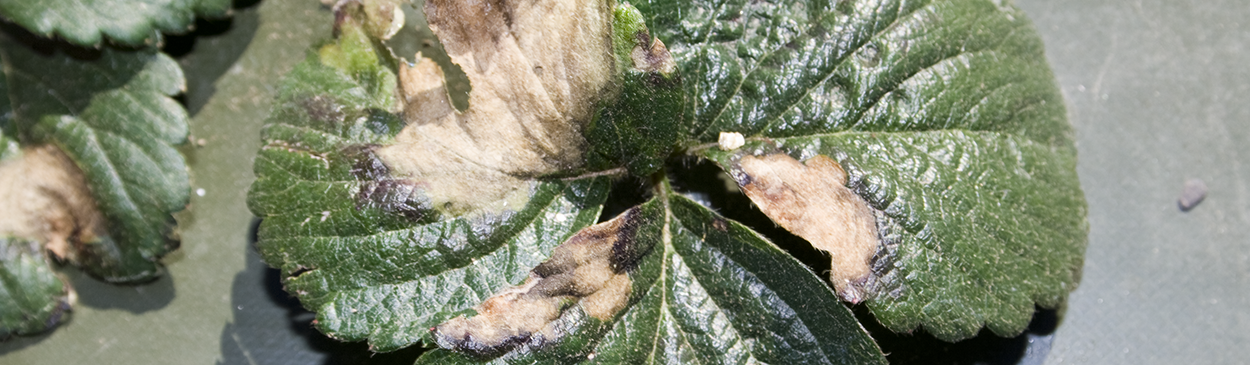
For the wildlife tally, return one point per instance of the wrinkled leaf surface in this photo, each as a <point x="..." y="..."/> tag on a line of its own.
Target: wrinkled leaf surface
<point x="706" y="290"/>
<point x="945" y="117"/>
<point x="358" y="246"/>
<point x="942" y="114"/>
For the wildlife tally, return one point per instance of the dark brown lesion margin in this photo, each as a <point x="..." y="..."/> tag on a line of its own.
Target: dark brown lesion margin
<point x="590" y="270"/>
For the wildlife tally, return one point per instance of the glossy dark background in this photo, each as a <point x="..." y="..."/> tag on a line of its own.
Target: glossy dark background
<point x="1155" y="89"/>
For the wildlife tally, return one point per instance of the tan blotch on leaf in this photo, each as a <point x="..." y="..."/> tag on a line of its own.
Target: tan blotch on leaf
<point x="812" y="202"/>
<point x="537" y="70"/>
<point x="587" y="270"/>
<point x="44" y="197"/>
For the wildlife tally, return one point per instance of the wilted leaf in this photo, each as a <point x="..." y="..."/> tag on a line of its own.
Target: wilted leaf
<point x="131" y="22"/>
<point x="366" y="247"/>
<point x="32" y="298"/>
<point x="947" y="122"/>
<point x="698" y="288"/>
<point x="103" y="132"/>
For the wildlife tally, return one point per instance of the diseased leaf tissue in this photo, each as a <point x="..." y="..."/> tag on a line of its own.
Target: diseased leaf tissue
<point x="590" y="269"/>
<point x="921" y="145"/>
<point x="89" y="175"/>
<point x="812" y="201"/>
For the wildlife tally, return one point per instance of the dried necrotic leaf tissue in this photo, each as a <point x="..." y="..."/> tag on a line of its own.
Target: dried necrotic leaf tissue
<point x="590" y="270"/>
<point x="537" y="70"/>
<point x="46" y="199"/>
<point x="813" y="202"/>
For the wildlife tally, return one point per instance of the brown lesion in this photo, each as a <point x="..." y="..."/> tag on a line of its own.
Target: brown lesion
<point x="324" y="109"/>
<point x="590" y="270"/>
<point x="653" y="58"/>
<point x="812" y="201"/>
<point x="378" y="190"/>
<point x="45" y="197"/>
<point x="383" y="18"/>
<point x="520" y="124"/>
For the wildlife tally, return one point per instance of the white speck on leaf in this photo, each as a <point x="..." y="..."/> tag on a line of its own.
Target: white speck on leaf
<point x="730" y="141"/>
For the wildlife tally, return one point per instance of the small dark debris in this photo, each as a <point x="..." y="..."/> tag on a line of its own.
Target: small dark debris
<point x="1195" y="191"/>
<point x="720" y="225"/>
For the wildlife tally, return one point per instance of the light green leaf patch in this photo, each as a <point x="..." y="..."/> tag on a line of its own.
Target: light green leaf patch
<point x="130" y="22"/>
<point x="701" y="289"/>
<point x="947" y="122"/>
<point x="9" y="147"/>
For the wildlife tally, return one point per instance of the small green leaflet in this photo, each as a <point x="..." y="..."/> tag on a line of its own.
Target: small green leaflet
<point x="32" y="297"/>
<point x="114" y="117"/>
<point x="130" y="22"/>
<point x="944" y="115"/>
<point x="358" y="247"/>
<point x="706" y="290"/>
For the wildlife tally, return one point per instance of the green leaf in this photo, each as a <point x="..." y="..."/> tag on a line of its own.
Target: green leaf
<point x="946" y="120"/>
<point x="937" y="123"/>
<point x="643" y="124"/>
<point x="365" y="249"/>
<point x="130" y="22"/>
<point x="32" y="298"/>
<point x="703" y="289"/>
<point x="114" y="117"/>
